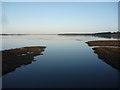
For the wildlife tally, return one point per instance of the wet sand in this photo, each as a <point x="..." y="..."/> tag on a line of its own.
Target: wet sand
<point x="14" y="58"/>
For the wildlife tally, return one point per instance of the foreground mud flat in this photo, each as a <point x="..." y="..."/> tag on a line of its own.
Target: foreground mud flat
<point x="104" y="43"/>
<point x="14" y="58"/>
<point x="108" y="54"/>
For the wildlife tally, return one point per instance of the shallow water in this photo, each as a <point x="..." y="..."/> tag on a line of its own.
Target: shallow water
<point x="67" y="62"/>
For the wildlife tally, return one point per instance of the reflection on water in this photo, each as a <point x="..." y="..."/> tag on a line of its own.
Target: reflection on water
<point x="108" y="51"/>
<point x="68" y="62"/>
<point x="14" y="58"/>
<point x="109" y="55"/>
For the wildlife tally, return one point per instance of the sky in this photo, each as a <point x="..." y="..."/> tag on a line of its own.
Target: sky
<point x="59" y="17"/>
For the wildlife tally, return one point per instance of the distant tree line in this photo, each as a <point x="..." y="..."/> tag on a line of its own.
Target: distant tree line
<point x="101" y="34"/>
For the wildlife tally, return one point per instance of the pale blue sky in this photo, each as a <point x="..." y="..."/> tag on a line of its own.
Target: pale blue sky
<point x="57" y="17"/>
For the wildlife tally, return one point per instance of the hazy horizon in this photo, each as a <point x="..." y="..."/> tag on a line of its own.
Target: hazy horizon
<point x="59" y="17"/>
<point x="62" y="33"/>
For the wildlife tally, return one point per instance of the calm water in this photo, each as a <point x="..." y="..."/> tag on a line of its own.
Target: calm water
<point x="67" y="62"/>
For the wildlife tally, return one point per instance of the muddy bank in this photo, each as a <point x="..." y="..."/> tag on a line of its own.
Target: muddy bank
<point x="14" y="58"/>
<point x="104" y="43"/>
<point x="108" y="54"/>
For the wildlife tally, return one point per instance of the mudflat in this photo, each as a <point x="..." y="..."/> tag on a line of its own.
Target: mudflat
<point x="104" y="43"/>
<point x="14" y="58"/>
<point x="108" y="54"/>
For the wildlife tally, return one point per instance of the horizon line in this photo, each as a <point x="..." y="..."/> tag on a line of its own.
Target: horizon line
<point x="56" y="33"/>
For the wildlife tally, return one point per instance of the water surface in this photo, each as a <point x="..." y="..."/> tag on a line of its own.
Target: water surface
<point x="67" y="62"/>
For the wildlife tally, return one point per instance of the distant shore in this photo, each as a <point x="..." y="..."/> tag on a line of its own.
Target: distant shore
<point x="101" y="34"/>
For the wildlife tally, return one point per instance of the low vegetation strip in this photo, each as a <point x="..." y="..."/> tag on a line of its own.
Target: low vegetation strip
<point x="109" y="55"/>
<point x="14" y="58"/>
<point x="104" y="43"/>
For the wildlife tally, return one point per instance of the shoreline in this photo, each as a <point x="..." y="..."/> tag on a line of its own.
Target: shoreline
<point x="109" y="55"/>
<point x="14" y="58"/>
<point x="104" y="43"/>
